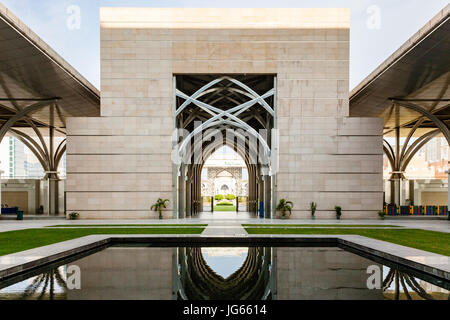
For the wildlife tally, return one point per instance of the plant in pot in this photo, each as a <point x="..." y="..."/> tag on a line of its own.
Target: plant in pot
<point x="338" y="210"/>
<point x="74" y="215"/>
<point x="313" y="209"/>
<point x="159" y="205"/>
<point x="381" y="214"/>
<point x="284" y="207"/>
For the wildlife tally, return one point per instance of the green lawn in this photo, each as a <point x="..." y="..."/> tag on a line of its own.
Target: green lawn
<point x="224" y="208"/>
<point x="125" y="225"/>
<point x="433" y="241"/>
<point x="321" y="225"/>
<point x="20" y="240"/>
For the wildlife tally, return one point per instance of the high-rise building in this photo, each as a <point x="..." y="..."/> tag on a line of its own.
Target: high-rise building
<point x="12" y="158"/>
<point x="17" y="161"/>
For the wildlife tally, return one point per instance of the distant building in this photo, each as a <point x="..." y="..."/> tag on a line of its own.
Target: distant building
<point x="225" y="173"/>
<point x="12" y="158"/>
<point x="17" y="161"/>
<point x="429" y="163"/>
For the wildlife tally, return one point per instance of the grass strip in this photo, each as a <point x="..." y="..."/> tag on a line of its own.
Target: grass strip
<point x="432" y="241"/>
<point x="224" y="208"/>
<point x="20" y="240"/>
<point x="125" y="225"/>
<point x="322" y="225"/>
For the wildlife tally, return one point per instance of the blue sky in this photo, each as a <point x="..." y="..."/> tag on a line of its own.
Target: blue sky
<point x="398" y="20"/>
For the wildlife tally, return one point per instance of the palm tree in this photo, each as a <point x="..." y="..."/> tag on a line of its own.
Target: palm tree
<point x="159" y="205"/>
<point x="285" y="206"/>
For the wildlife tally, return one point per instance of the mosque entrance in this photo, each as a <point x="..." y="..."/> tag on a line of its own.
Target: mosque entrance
<point x="233" y="116"/>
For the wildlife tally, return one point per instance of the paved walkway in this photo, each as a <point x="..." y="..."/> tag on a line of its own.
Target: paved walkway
<point x="221" y="225"/>
<point x="224" y="229"/>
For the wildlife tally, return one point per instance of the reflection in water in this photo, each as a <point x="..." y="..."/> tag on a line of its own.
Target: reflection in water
<point x="224" y="261"/>
<point x="196" y="280"/>
<point x="398" y="285"/>
<point x="50" y="285"/>
<point x="194" y="273"/>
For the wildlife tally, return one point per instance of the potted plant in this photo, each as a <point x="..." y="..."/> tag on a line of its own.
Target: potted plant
<point x="338" y="210"/>
<point x="381" y="214"/>
<point x="74" y="215"/>
<point x="313" y="209"/>
<point x="159" y="205"/>
<point x="285" y="206"/>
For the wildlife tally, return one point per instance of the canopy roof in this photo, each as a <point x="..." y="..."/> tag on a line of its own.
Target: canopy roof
<point x="31" y="72"/>
<point x="417" y="73"/>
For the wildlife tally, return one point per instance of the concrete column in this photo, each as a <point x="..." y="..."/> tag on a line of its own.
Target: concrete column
<point x="200" y="195"/>
<point x="51" y="206"/>
<point x="261" y="188"/>
<point x="267" y="196"/>
<point x="199" y="188"/>
<point x="254" y="196"/>
<point x="188" y="193"/>
<point x="411" y="191"/>
<point x="193" y="182"/>
<point x="1" y="172"/>
<point x="181" y="192"/>
<point x="397" y="195"/>
<point x="448" y="183"/>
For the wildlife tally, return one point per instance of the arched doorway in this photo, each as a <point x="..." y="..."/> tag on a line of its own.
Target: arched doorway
<point x="213" y="111"/>
<point x="223" y="176"/>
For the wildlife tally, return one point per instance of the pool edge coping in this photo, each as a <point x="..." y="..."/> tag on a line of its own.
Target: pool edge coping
<point x="427" y="262"/>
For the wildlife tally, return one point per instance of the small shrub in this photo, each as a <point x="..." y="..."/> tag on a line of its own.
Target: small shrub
<point x="230" y="197"/>
<point x="224" y="203"/>
<point x="313" y="208"/>
<point x="338" y="212"/>
<point x="218" y="197"/>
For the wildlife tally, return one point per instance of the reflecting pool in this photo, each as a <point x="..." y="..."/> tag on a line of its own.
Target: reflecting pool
<point x="136" y="272"/>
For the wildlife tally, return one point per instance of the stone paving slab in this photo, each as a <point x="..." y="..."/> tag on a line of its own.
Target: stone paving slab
<point x="434" y="225"/>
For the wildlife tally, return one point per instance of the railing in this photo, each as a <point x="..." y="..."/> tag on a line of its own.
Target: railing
<point x="394" y="210"/>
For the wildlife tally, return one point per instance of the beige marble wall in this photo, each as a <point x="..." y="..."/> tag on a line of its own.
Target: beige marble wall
<point x="325" y="156"/>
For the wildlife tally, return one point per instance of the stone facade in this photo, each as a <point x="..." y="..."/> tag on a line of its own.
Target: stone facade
<point x="120" y="163"/>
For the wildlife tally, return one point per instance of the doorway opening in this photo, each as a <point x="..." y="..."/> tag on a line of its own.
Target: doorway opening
<point x="217" y="114"/>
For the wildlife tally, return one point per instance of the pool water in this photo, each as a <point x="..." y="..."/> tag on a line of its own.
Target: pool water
<point x="138" y="272"/>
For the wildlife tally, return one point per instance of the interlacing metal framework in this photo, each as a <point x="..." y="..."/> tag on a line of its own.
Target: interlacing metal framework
<point x="213" y="111"/>
<point x="400" y="156"/>
<point x="48" y="154"/>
